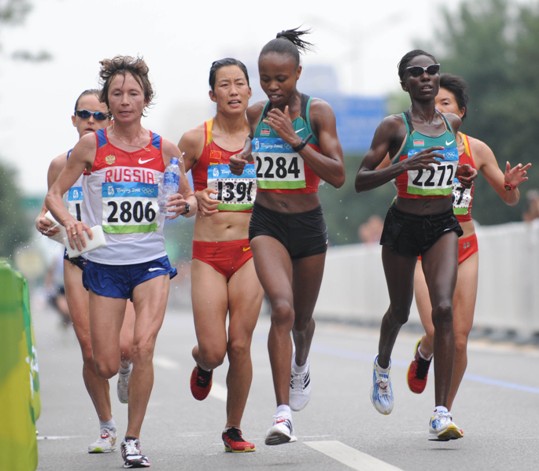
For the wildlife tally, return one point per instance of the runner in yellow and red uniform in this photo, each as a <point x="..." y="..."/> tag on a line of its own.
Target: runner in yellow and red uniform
<point x="223" y="277"/>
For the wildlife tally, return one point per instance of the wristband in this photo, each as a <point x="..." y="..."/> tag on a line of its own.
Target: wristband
<point x="302" y="144"/>
<point x="187" y="209"/>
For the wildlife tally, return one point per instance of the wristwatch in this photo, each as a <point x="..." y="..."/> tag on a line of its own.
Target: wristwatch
<point x="187" y="209"/>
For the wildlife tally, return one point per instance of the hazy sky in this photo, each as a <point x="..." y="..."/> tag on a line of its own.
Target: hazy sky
<point x="179" y="40"/>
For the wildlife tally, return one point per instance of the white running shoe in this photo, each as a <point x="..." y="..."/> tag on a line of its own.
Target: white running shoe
<point x="281" y="431"/>
<point x="133" y="457"/>
<point x="381" y="391"/>
<point x="300" y="388"/>
<point x="105" y="443"/>
<point x="123" y="385"/>
<point x="442" y="427"/>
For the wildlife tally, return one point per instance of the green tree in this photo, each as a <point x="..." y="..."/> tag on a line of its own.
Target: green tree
<point x="15" y="229"/>
<point x="493" y="45"/>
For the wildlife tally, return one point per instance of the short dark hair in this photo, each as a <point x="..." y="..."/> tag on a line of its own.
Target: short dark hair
<point x="405" y="61"/>
<point x="288" y="42"/>
<point x="216" y="65"/>
<point x="458" y="87"/>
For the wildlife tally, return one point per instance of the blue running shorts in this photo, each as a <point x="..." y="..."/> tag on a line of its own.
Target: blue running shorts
<point x="119" y="281"/>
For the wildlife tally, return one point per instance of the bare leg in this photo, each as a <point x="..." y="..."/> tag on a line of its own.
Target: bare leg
<point x="77" y="298"/>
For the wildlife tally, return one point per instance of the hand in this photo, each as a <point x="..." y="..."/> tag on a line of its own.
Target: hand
<point x="176" y="204"/>
<point x="516" y="175"/>
<point x="75" y="234"/>
<point x="207" y="202"/>
<point x="46" y="227"/>
<point x="237" y="162"/>
<point x="281" y="122"/>
<point x="423" y="159"/>
<point x="466" y="174"/>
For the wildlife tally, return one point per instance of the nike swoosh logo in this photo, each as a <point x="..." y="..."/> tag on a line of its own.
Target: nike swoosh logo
<point x="155" y="269"/>
<point x="299" y="130"/>
<point x="449" y="143"/>
<point x="246" y="249"/>
<point x="142" y="161"/>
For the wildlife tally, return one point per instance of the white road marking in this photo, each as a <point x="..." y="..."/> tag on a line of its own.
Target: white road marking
<point x="217" y="391"/>
<point x="166" y="363"/>
<point x="351" y="457"/>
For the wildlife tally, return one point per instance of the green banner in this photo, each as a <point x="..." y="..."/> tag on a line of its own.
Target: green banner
<point x="20" y="403"/>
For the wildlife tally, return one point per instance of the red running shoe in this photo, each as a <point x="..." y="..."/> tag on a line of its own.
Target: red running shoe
<point x="201" y="383"/>
<point x="234" y="442"/>
<point x="418" y="372"/>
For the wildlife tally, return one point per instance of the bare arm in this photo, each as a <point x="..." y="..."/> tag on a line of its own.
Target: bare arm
<point x="81" y="158"/>
<point x="238" y="161"/>
<point x="488" y="165"/>
<point x="44" y="225"/>
<point x="177" y="203"/>
<point x="192" y="145"/>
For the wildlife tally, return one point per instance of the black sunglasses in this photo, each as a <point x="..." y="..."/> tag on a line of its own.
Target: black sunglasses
<point x="98" y="115"/>
<point x="418" y="71"/>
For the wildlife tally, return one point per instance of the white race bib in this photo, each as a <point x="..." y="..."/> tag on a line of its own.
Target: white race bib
<point x="129" y="207"/>
<point x="277" y="165"/>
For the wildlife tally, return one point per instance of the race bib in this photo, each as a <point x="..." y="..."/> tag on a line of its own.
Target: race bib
<point x="436" y="180"/>
<point x="74" y="197"/>
<point x="129" y="207"/>
<point x="462" y="198"/>
<point x="278" y="167"/>
<point x="235" y="192"/>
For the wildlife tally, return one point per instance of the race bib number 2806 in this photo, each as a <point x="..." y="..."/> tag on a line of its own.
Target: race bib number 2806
<point x="129" y="207"/>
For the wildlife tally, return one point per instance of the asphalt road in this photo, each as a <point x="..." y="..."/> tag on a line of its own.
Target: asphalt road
<point x="498" y="408"/>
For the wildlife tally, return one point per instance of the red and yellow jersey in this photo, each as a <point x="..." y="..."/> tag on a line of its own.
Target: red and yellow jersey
<point x="463" y="197"/>
<point x="235" y="192"/>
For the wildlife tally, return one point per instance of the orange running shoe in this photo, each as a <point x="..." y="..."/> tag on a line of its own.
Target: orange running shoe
<point x="234" y="442"/>
<point x="418" y="372"/>
<point x="201" y="381"/>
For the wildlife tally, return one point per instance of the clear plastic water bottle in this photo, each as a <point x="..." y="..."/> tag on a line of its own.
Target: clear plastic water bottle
<point x="169" y="185"/>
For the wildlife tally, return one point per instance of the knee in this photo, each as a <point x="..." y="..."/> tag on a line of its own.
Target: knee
<point x="238" y="349"/>
<point x="106" y="369"/>
<point x="142" y="350"/>
<point x="398" y="315"/>
<point x="210" y="355"/>
<point x="302" y="325"/>
<point x="282" y="314"/>
<point x="442" y="314"/>
<point x="125" y="350"/>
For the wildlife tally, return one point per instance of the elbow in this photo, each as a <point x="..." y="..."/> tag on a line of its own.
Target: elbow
<point x="339" y="182"/>
<point x="358" y="185"/>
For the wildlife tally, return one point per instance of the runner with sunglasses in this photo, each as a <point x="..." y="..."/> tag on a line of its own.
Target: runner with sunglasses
<point x="295" y="144"/>
<point x="453" y="98"/>
<point x="90" y="115"/>
<point x="418" y="150"/>
<point x="125" y="161"/>
<point x="223" y="277"/>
